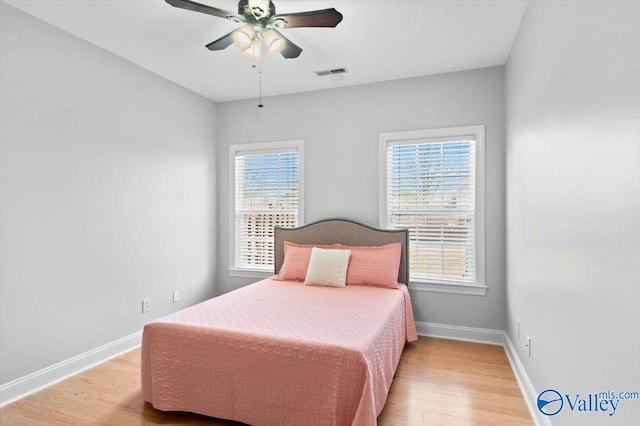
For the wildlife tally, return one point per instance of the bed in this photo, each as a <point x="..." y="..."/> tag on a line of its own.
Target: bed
<point x="283" y="353"/>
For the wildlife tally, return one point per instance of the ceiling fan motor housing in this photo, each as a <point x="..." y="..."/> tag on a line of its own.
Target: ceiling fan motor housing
<point x="260" y="9"/>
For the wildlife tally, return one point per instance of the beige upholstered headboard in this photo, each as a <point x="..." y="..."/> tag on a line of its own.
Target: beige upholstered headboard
<point x="346" y="232"/>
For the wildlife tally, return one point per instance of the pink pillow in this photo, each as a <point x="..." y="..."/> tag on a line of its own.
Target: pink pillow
<point x="296" y="261"/>
<point x="375" y="266"/>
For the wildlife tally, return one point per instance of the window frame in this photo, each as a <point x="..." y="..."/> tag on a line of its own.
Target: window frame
<point x="259" y="148"/>
<point x="479" y="287"/>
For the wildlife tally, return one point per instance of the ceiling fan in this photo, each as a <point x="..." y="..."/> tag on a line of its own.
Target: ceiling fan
<point x="261" y="25"/>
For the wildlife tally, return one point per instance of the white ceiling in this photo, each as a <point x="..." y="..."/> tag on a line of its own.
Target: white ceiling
<point x="377" y="40"/>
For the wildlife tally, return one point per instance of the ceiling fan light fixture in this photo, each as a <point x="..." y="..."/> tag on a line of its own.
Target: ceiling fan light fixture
<point x="253" y="51"/>
<point x="243" y="36"/>
<point x="274" y="42"/>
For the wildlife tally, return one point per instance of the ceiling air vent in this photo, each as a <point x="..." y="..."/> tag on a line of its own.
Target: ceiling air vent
<point x="334" y="71"/>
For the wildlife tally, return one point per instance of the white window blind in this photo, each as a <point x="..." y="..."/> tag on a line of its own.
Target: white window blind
<point x="266" y="195"/>
<point x="431" y="190"/>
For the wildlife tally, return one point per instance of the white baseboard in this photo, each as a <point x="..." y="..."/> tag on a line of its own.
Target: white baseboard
<point x="528" y="391"/>
<point x="455" y="332"/>
<point x="34" y="382"/>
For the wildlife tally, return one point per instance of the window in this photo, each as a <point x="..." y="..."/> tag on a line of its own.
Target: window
<point x="266" y="191"/>
<point x="432" y="182"/>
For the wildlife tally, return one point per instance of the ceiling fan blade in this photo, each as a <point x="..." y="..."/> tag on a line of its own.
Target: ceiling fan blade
<point x="315" y="18"/>
<point x="290" y="50"/>
<point x="222" y="43"/>
<point x="209" y="10"/>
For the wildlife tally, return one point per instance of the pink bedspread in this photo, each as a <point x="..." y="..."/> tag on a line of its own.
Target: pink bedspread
<point x="280" y="353"/>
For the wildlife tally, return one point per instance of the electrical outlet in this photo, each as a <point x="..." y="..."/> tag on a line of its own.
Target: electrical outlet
<point x="528" y="345"/>
<point x="176" y="296"/>
<point x="518" y="328"/>
<point x="146" y="305"/>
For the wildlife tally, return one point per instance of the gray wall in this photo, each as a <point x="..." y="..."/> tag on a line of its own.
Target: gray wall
<point x="341" y="127"/>
<point x="573" y="200"/>
<point x="107" y="195"/>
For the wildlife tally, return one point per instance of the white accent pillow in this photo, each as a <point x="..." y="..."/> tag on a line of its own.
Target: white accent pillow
<point x="328" y="267"/>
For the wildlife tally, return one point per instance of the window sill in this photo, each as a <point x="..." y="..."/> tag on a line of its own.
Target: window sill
<point x="250" y="273"/>
<point x="468" y="289"/>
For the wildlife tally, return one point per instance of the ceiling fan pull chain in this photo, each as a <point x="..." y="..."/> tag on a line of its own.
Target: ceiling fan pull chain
<point x="260" y="104"/>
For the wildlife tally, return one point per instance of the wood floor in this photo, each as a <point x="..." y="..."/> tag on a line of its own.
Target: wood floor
<point x="438" y="382"/>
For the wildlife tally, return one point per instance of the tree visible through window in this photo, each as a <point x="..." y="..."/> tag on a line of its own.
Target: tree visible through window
<point x="430" y="189"/>
<point x="267" y="194"/>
